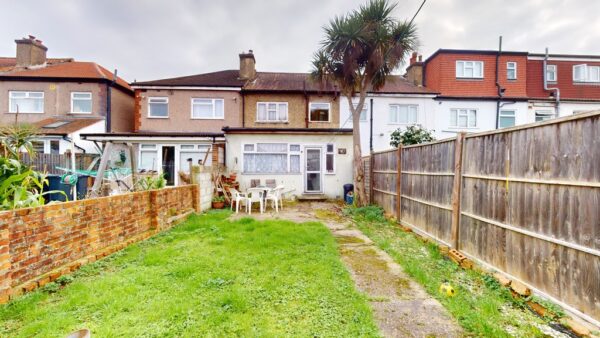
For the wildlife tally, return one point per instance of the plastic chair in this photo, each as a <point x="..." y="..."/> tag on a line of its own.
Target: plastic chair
<point x="237" y="197"/>
<point x="275" y="196"/>
<point x="254" y="195"/>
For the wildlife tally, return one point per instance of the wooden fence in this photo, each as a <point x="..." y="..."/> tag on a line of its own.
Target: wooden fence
<point x="49" y="162"/>
<point x="523" y="200"/>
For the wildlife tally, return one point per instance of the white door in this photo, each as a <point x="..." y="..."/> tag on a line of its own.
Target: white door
<point x="313" y="175"/>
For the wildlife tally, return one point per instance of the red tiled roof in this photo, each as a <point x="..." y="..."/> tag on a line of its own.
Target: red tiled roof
<point x="60" y="68"/>
<point x="72" y="125"/>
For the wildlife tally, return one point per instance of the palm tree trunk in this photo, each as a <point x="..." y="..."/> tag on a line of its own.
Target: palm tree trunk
<point x="360" y="196"/>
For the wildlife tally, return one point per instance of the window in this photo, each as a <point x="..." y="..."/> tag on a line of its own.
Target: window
<point x="363" y="112"/>
<point x="543" y="115"/>
<point x="511" y="70"/>
<point x="266" y="158"/>
<point x="330" y="159"/>
<point x="272" y="112"/>
<point x="26" y="102"/>
<point x="403" y="114"/>
<point x="294" y="158"/>
<point x="469" y="69"/>
<point x="54" y="147"/>
<point x="81" y="103"/>
<point x="463" y="118"/>
<point x="506" y="118"/>
<point x="208" y="109"/>
<point x="148" y="157"/>
<point x="158" y="107"/>
<point x="585" y="73"/>
<point x="38" y="146"/>
<point x="551" y="73"/>
<point x="319" y="112"/>
<point x="196" y="152"/>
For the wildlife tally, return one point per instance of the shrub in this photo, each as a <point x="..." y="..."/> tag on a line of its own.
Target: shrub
<point x="218" y="199"/>
<point x="412" y="135"/>
<point x="151" y="183"/>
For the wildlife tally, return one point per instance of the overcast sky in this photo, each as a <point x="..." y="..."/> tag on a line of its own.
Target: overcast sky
<point x="155" y="39"/>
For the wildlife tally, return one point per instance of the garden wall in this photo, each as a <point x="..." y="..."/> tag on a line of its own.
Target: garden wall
<point x="524" y="200"/>
<point x="37" y="245"/>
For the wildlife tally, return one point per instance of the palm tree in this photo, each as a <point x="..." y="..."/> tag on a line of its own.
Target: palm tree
<point x="358" y="53"/>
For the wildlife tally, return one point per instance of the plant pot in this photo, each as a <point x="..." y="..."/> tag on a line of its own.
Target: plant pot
<point x="218" y="205"/>
<point x="232" y="177"/>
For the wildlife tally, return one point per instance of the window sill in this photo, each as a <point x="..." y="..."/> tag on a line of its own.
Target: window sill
<point x="26" y="112"/>
<point x="79" y="113"/>
<point x="268" y="122"/>
<point x="319" y="121"/>
<point x="463" y="128"/>
<point x="469" y="78"/>
<point x="403" y="124"/>
<point x="207" y="118"/>
<point x="158" y="117"/>
<point x="580" y="83"/>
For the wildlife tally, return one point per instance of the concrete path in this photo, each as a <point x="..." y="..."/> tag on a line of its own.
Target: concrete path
<point x="401" y="307"/>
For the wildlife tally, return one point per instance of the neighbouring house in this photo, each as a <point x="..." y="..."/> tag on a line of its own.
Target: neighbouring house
<point x="61" y="95"/>
<point x="481" y="90"/>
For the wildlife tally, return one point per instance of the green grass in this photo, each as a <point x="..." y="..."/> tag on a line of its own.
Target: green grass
<point x="206" y="277"/>
<point x="482" y="306"/>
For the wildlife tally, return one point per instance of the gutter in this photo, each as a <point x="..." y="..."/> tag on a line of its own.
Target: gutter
<point x="546" y="88"/>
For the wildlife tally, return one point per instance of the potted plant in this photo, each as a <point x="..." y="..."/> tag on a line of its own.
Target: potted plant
<point x="233" y="176"/>
<point x="218" y="202"/>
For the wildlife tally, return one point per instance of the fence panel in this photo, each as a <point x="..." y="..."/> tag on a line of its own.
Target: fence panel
<point x="385" y="173"/>
<point x="427" y="181"/>
<point x="49" y="162"/>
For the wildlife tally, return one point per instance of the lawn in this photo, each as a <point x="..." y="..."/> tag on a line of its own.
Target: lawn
<point x="205" y="277"/>
<point x="481" y="305"/>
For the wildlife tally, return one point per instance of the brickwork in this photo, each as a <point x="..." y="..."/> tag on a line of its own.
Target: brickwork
<point x="564" y="74"/>
<point x="37" y="245"/>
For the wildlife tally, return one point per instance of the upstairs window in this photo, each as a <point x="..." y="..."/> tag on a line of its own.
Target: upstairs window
<point x="506" y="118"/>
<point x="81" y="103"/>
<point x="469" y="69"/>
<point x="158" y="107"/>
<point x="320" y="112"/>
<point x="551" y="73"/>
<point x="403" y="114"/>
<point x="363" y="112"/>
<point x="208" y="108"/>
<point x="26" y="102"/>
<point x="271" y="112"/>
<point x="511" y="70"/>
<point x="586" y="73"/>
<point x="463" y="118"/>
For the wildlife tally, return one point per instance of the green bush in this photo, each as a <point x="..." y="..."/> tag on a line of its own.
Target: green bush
<point x="412" y="135"/>
<point x="151" y="183"/>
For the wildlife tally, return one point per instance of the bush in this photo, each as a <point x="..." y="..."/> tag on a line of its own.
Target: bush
<point x="412" y="135"/>
<point x="218" y="199"/>
<point x="151" y="183"/>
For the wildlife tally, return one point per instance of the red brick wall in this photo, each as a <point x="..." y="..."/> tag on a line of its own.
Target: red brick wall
<point x="137" y="111"/>
<point x="568" y="89"/>
<point x="440" y="75"/>
<point x="37" y="245"/>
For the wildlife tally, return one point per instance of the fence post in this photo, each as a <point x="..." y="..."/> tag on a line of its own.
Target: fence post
<point x="399" y="184"/>
<point x="456" y="188"/>
<point x="371" y="182"/>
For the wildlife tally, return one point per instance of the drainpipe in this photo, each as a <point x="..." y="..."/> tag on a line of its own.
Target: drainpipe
<point x="108" y="102"/>
<point x="371" y="126"/>
<point x="499" y="88"/>
<point x="306" y="119"/>
<point x="244" y="109"/>
<point x="556" y="90"/>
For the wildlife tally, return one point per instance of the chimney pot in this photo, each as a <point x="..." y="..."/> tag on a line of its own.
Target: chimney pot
<point x="30" y="52"/>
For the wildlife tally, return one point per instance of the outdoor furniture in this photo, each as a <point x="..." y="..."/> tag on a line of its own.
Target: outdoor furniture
<point x="274" y="196"/>
<point x="237" y="197"/>
<point x="254" y="183"/>
<point x="271" y="183"/>
<point x="255" y="195"/>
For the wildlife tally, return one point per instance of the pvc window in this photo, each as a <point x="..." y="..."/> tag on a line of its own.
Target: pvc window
<point x="463" y="118"/>
<point x="403" y="114"/>
<point x="586" y="73"/>
<point x="469" y="69"/>
<point x="272" y="112"/>
<point x="511" y="70"/>
<point x="81" y="103"/>
<point x="25" y="102"/>
<point x="158" y="107"/>
<point x="551" y="73"/>
<point x="543" y="115"/>
<point x="330" y="159"/>
<point x="319" y="112"/>
<point x="364" y="112"/>
<point x="208" y="109"/>
<point x="506" y="118"/>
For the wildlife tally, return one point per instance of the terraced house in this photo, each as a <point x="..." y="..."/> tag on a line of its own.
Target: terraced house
<point x="63" y="97"/>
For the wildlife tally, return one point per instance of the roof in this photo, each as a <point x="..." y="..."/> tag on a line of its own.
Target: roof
<point x="63" y="69"/>
<point x="224" y="78"/>
<point x="396" y="84"/>
<point x="287" y="82"/>
<point x="152" y="134"/>
<point x="242" y="130"/>
<point x="64" y="126"/>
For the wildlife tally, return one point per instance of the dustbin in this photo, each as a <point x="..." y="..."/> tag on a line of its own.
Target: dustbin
<point x="54" y="183"/>
<point x="347" y="189"/>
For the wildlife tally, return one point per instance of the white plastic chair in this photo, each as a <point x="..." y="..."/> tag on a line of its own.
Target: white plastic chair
<point x="238" y="197"/>
<point x="275" y="196"/>
<point x="254" y="195"/>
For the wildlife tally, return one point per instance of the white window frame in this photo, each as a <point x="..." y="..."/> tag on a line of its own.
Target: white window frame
<point x="160" y="98"/>
<point x="507" y="113"/>
<point x="365" y="110"/>
<point x="91" y="102"/>
<point x="27" y="93"/>
<point x="544" y="112"/>
<point x="328" y="112"/>
<point x="214" y="108"/>
<point x="153" y="148"/>
<point x="277" y="120"/>
<point x="327" y="153"/>
<point x="511" y="65"/>
<point x="586" y="72"/>
<point x="551" y="69"/>
<point x="255" y="151"/>
<point x="408" y="106"/>
<point x="465" y="64"/>
<point x="463" y="112"/>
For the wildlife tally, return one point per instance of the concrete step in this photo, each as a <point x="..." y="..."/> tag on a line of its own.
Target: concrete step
<point x="312" y="197"/>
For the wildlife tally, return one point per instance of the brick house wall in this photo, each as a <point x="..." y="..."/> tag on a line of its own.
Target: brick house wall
<point x="37" y="245"/>
<point x="564" y="74"/>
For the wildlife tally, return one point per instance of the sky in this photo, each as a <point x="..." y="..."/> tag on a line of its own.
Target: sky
<point x="153" y="39"/>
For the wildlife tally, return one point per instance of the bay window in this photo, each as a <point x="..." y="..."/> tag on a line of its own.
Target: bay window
<point x="469" y="69"/>
<point x="26" y="102"/>
<point x="271" y="112"/>
<point x="208" y="108"/>
<point x="463" y="118"/>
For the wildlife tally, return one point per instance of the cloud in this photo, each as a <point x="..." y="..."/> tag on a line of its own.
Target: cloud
<point x="157" y="38"/>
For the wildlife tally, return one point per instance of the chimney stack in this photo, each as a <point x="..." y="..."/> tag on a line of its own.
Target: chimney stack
<point x="414" y="72"/>
<point x="30" y="52"/>
<point x="247" y="66"/>
<point x="413" y="58"/>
